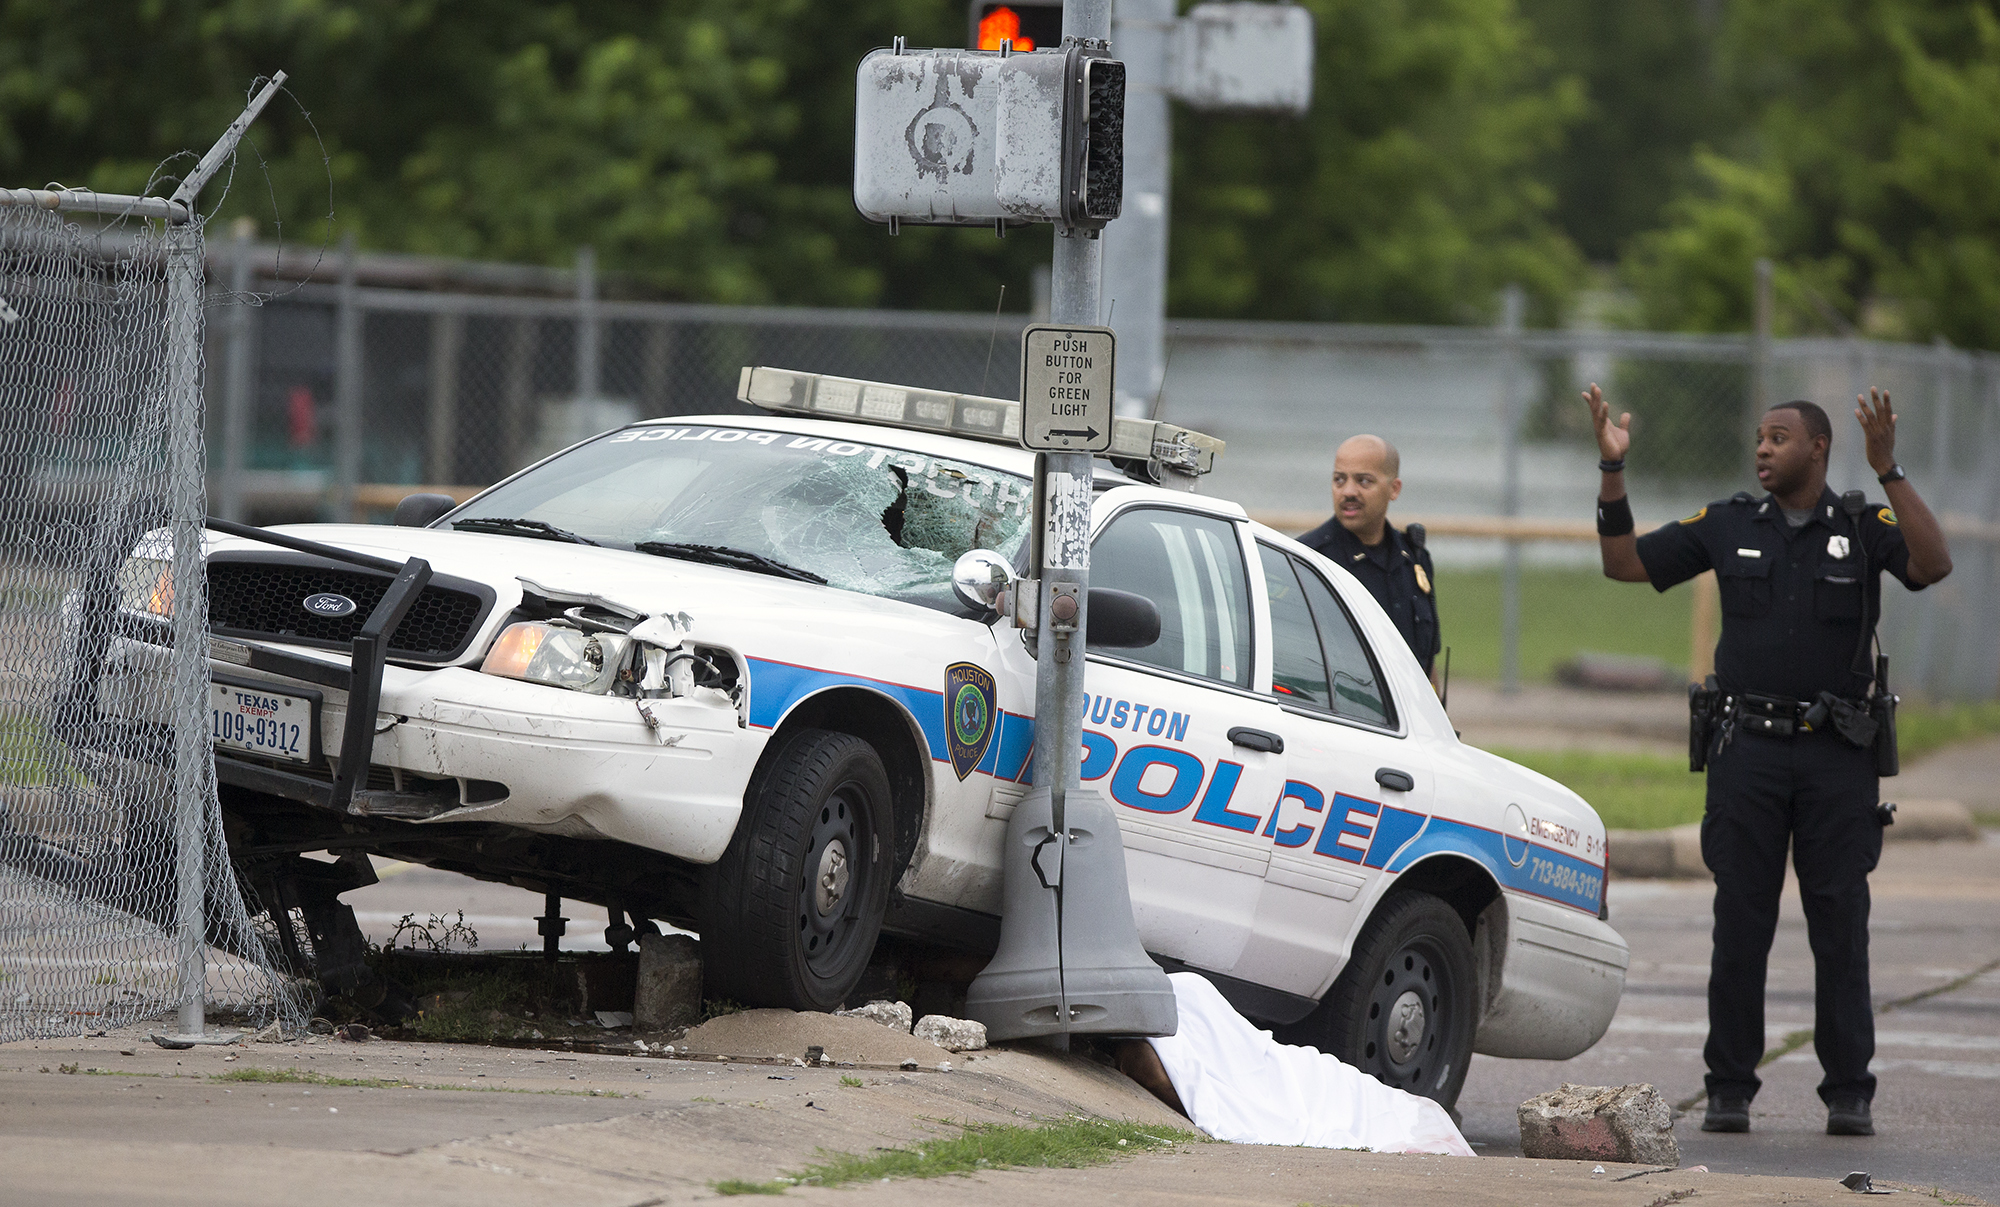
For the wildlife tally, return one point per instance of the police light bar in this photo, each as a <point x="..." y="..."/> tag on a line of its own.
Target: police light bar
<point x="994" y="420"/>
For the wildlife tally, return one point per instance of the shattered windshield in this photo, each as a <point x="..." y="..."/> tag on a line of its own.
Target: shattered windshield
<point x="882" y="521"/>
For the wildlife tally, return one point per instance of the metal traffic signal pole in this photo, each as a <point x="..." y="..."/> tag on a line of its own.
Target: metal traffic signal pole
<point x="1062" y="488"/>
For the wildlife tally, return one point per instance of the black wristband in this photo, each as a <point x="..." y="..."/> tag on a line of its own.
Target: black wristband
<point x="1611" y="467"/>
<point x="1895" y="474"/>
<point x="1614" y="517"/>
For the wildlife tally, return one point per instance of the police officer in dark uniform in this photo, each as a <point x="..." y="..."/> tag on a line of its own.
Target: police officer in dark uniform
<point x="1394" y="566"/>
<point x="1795" y="727"/>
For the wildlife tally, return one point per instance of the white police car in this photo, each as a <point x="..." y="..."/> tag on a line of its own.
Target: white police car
<point x="716" y="671"/>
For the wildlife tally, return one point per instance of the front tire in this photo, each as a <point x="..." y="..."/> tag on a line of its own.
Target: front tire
<point x="1402" y="1010"/>
<point x="794" y="906"/>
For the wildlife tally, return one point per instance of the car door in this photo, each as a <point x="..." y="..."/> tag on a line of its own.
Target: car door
<point x="1355" y="789"/>
<point x="1177" y="739"/>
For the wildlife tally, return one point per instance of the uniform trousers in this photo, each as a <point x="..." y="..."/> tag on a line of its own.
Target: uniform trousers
<point x="1818" y="793"/>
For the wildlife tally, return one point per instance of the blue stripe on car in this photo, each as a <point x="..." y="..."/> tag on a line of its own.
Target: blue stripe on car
<point x="776" y="687"/>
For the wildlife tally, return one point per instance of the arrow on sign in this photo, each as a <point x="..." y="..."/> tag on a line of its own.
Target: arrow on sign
<point x="1087" y="433"/>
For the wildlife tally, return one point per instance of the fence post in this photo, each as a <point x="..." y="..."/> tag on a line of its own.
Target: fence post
<point x="237" y="392"/>
<point x="447" y="336"/>
<point x="1512" y="302"/>
<point x="190" y="617"/>
<point x="587" y="357"/>
<point x="1760" y="351"/>
<point x="347" y="368"/>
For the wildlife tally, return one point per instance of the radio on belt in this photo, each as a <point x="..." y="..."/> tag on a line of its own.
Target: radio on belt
<point x="1066" y="378"/>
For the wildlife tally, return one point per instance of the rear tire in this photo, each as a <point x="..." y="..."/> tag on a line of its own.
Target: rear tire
<point x="1402" y="1009"/>
<point x="793" y="908"/>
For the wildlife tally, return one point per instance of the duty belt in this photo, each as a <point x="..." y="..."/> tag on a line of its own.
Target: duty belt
<point x="1772" y="716"/>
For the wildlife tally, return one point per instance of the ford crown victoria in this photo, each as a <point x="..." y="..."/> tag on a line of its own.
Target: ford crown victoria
<point x="715" y="671"/>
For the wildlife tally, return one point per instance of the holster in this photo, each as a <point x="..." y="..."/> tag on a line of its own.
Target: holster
<point x="1702" y="699"/>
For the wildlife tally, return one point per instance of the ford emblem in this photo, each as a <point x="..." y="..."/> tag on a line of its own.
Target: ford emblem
<point x="326" y="603"/>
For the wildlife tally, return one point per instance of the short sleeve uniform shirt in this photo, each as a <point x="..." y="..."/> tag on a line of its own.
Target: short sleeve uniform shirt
<point x="1398" y="575"/>
<point x="1793" y="599"/>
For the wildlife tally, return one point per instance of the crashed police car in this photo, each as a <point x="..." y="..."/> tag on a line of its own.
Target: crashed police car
<point x="756" y="676"/>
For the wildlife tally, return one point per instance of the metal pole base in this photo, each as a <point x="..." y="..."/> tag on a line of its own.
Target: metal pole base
<point x="1097" y="969"/>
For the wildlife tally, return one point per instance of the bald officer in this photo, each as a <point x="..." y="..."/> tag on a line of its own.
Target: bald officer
<point x="1394" y="566"/>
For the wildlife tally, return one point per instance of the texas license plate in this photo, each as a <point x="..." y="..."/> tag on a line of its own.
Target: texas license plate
<point x="261" y="722"/>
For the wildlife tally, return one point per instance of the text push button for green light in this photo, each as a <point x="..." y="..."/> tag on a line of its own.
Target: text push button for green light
<point x="1066" y="378"/>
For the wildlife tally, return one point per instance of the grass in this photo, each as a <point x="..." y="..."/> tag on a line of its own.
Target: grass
<point x="1563" y="610"/>
<point x="24" y="748"/>
<point x="1653" y="792"/>
<point x="1067" y="1145"/>
<point x="850" y="1082"/>
<point x="1629" y="791"/>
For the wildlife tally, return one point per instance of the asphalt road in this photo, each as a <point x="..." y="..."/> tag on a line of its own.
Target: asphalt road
<point x="1935" y="923"/>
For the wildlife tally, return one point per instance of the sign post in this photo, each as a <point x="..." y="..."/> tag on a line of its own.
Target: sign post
<point x="972" y="137"/>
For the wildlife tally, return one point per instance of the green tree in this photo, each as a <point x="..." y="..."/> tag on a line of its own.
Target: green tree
<point x="1648" y="73"/>
<point x="1866" y="173"/>
<point x="1409" y="194"/>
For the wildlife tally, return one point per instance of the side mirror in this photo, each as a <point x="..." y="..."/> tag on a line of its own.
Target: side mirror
<point x="418" y="510"/>
<point x="979" y="577"/>
<point x="1120" y="620"/>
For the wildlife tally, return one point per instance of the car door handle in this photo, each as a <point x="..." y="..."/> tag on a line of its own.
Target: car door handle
<point x="1257" y="739"/>
<point x="1394" y="780"/>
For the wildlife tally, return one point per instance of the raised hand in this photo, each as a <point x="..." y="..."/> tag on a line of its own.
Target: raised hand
<point x="1878" y="428"/>
<point x="1614" y="440"/>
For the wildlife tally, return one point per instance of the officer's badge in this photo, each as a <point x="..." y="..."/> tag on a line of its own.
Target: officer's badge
<point x="1423" y="580"/>
<point x="1887" y="516"/>
<point x="968" y="715"/>
<point x="1836" y="547"/>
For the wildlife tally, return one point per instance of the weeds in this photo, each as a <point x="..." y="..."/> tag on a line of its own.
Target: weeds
<point x="850" y="1081"/>
<point x="980" y="1146"/>
<point x="440" y="934"/>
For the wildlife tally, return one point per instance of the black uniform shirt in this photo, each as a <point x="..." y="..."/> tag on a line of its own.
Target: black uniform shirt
<point x="1397" y="575"/>
<point x="1792" y="599"/>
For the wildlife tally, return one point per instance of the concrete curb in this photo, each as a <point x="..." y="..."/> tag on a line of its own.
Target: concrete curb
<point x="1676" y="853"/>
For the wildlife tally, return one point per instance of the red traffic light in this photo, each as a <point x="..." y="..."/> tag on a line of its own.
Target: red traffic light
<point x="1028" y="24"/>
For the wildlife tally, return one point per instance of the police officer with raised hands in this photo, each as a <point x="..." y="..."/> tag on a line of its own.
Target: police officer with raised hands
<point x="1794" y="726"/>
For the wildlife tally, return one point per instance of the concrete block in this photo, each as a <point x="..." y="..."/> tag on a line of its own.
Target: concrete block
<point x="889" y="1014"/>
<point x="1629" y="1124"/>
<point x="669" y="989"/>
<point x="1932" y="820"/>
<point x="952" y="1034"/>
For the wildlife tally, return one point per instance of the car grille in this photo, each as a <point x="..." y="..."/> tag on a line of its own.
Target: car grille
<point x="266" y="599"/>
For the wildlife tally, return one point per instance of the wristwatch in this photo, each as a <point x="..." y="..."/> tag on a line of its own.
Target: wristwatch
<point x="1895" y="474"/>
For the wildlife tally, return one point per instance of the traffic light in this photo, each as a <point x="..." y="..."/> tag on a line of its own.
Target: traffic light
<point x="1095" y="177"/>
<point x="1028" y="24"/>
<point x="969" y="137"/>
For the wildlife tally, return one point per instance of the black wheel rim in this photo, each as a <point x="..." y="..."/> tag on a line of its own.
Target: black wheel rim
<point x="837" y="879"/>
<point x="1409" y="1018"/>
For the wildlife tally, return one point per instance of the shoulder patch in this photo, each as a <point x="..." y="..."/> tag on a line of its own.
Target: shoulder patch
<point x="1887" y="516"/>
<point x="1696" y="516"/>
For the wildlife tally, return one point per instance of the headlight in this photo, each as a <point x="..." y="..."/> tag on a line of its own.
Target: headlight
<point x="557" y="656"/>
<point x="146" y="584"/>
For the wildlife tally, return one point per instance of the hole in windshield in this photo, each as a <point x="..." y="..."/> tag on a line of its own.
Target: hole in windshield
<point x="881" y="521"/>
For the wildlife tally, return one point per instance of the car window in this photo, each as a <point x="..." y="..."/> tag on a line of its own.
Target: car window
<point x="1191" y="566"/>
<point x="1358" y="691"/>
<point x="882" y="521"/>
<point x="1298" y="668"/>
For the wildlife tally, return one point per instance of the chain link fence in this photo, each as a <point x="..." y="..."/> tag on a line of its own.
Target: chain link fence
<point x="390" y="373"/>
<point x="117" y="900"/>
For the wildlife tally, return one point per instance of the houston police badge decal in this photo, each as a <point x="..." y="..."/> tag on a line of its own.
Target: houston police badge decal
<point x="968" y="715"/>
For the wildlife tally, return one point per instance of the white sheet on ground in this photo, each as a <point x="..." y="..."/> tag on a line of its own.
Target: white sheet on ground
<point x="1239" y="1084"/>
